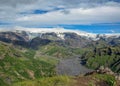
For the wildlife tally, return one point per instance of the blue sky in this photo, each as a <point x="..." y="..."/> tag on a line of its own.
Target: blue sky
<point x="101" y="28"/>
<point x="96" y="16"/>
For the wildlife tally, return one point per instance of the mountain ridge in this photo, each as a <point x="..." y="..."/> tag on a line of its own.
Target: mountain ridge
<point x="60" y="32"/>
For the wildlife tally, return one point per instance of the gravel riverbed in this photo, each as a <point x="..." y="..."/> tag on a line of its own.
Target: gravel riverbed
<point x="71" y="66"/>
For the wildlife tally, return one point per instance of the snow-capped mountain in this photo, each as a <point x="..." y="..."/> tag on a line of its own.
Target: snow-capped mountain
<point x="59" y="32"/>
<point x="34" y="37"/>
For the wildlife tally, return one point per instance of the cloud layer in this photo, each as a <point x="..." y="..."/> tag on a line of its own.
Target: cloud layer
<point x="55" y="12"/>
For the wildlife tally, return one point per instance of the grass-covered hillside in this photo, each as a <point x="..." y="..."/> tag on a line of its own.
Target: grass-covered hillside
<point x="104" y="56"/>
<point x="19" y="65"/>
<point x="48" y="81"/>
<point x="59" y="51"/>
<point x="89" y="80"/>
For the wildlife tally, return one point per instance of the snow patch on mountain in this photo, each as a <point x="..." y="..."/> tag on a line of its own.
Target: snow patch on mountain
<point x="59" y="31"/>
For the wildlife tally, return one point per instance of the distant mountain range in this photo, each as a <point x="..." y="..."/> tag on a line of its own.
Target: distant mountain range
<point x="30" y="37"/>
<point x="60" y="32"/>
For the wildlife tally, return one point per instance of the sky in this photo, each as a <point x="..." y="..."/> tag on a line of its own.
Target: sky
<point x="96" y="16"/>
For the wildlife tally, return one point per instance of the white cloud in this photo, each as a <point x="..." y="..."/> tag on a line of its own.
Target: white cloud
<point x="74" y="12"/>
<point x="104" y="14"/>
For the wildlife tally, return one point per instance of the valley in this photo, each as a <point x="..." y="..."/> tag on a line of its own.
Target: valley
<point x="49" y="59"/>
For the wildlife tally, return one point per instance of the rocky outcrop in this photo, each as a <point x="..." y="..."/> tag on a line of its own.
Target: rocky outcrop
<point x="104" y="70"/>
<point x="38" y="42"/>
<point x="14" y="38"/>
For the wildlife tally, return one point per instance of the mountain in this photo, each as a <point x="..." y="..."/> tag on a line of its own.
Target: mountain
<point x="30" y="56"/>
<point x="34" y="37"/>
